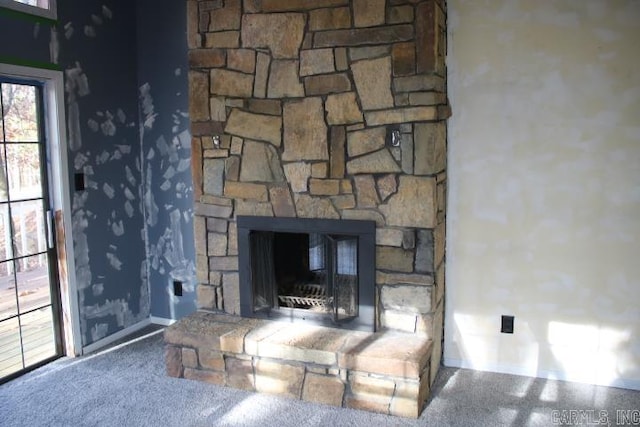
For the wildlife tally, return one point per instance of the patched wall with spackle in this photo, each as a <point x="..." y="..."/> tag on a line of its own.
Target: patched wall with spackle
<point x="127" y="127"/>
<point x="544" y="195"/>
<point x="98" y="58"/>
<point x="166" y="152"/>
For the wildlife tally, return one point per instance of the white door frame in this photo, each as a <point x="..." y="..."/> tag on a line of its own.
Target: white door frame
<point x="58" y="169"/>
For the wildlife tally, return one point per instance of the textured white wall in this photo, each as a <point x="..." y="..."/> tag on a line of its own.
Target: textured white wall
<point x="544" y="197"/>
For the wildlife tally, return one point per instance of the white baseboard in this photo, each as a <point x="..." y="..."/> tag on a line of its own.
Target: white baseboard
<point x="115" y="337"/>
<point x="550" y="375"/>
<point x="162" y="321"/>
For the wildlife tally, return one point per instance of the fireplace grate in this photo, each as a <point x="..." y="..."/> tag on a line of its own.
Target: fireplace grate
<point x="306" y="295"/>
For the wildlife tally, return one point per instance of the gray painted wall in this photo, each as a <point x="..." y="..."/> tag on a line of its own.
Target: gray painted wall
<point x="23" y="38"/>
<point x="127" y="125"/>
<point x="99" y="59"/>
<point x="166" y="143"/>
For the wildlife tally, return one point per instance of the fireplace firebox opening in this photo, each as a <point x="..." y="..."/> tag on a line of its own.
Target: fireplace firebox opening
<point x="311" y="270"/>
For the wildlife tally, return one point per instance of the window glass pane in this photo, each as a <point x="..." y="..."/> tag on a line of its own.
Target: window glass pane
<point x="8" y="303"/>
<point x="38" y="3"/>
<point x="28" y="229"/>
<point x="6" y="249"/>
<point x="20" y="112"/>
<point x="43" y="4"/>
<point x="3" y="110"/>
<point x="10" y="354"/>
<point x="4" y="188"/>
<point x="23" y="167"/>
<point x="38" y="339"/>
<point x="1" y="125"/>
<point x="32" y="280"/>
<point x="44" y="8"/>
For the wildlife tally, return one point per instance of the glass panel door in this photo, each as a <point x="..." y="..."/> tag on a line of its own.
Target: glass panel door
<point x="263" y="271"/>
<point x="29" y="303"/>
<point x="344" y="251"/>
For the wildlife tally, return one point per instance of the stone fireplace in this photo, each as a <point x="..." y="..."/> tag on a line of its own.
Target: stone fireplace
<point x="331" y="111"/>
<point x="319" y="271"/>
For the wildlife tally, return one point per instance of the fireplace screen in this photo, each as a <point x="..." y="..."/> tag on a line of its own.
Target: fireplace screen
<point x="317" y="275"/>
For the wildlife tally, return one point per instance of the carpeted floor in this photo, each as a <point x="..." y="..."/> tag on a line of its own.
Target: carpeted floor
<point x="127" y="386"/>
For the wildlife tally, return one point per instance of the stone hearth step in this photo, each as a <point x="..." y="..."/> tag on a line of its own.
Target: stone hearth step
<point x="386" y="372"/>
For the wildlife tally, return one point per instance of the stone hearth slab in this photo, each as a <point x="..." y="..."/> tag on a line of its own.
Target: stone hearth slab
<point x="309" y="344"/>
<point x="387" y="353"/>
<point x="384" y="372"/>
<point x="201" y="330"/>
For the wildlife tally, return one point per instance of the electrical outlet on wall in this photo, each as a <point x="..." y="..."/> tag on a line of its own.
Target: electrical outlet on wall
<point x="507" y="324"/>
<point x="78" y="182"/>
<point x="177" y="288"/>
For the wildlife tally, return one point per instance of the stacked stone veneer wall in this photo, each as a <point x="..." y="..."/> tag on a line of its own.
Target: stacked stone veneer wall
<point x="291" y="103"/>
